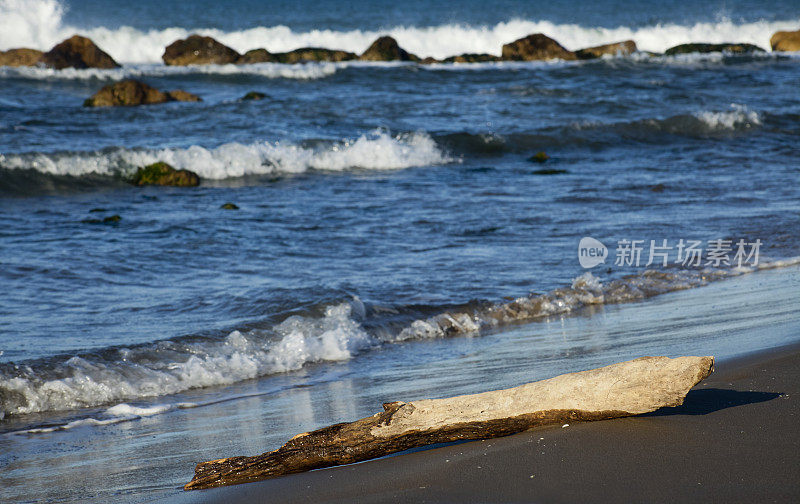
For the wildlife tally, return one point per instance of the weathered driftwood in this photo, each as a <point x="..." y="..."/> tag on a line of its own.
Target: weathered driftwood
<point x="628" y="388"/>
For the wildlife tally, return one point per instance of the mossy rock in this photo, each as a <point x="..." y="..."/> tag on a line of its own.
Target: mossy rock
<point x="254" y="95"/>
<point x="539" y="157"/>
<point x="710" y="48"/>
<point x="229" y="206"/>
<point x="162" y="174"/>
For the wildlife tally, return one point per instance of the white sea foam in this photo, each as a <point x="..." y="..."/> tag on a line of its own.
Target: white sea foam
<point x="307" y="71"/>
<point x="374" y="151"/>
<point x="737" y="117"/>
<point x="337" y="334"/>
<point x="138" y="373"/>
<point x="39" y="24"/>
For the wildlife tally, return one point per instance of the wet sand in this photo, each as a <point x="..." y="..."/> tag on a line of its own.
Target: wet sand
<point x="735" y="439"/>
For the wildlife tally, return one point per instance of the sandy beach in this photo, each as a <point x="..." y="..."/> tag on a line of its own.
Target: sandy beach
<point x="735" y="439"/>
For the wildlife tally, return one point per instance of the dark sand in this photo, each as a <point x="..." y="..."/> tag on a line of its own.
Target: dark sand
<point x="735" y="439"/>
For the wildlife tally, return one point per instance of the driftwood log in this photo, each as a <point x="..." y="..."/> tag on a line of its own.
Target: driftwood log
<point x="628" y="388"/>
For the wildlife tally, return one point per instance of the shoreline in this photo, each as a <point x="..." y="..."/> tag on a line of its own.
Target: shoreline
<point x="734" y="439"/>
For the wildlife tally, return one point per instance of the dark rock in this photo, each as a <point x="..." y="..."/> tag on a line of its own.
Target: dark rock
<point x="617" y="49"/>
<point x="254" y="95"/>
<point x="198" y="50"/>
<point x="96" y="210"/>
<point x="229" y="206"/>
<point x="162" y="174"/>
<point x="20" y="57"/>
<point x="181" y="95"/>
<point x="111" y="219"/>
<point x="314" y="54"/>
<point x="536" y="47"/>
<point x="256" y="56"/>
<point x="77" y="52"/>
<point x="539" y="157"/>
<point x="386" y="49"/>
<point x="130" y="92"/>
<point x="549" y="171"/>
<point x="429" y="61"/>
<point x="471" y="58"/>
<point x="709" y="48"/>
<point x="785" y="41"/>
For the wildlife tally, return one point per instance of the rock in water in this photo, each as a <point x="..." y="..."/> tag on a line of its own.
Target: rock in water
<point x="313" y="54"/>
<point x="254" y="95"/>
<point x="617" y="49"/>
<point x="471" y="58"/>
<point x="628" y="388"/>
<point x="181" y="95"/>
<point x="198" y="50"/>
<point x="20" y="57"/>
<point x="229" y="206"/>
<point x="162" y="174"/>
<point x="709" y="48"/>
<point x="785" y="41"/>
<point x="536" y="47"/>
<point x="129" y="93"/>
<point x="387" y="49"/>
<point x="539" y="157"/>
<point x="256" y="56"/>
<point x="77" y="52"/>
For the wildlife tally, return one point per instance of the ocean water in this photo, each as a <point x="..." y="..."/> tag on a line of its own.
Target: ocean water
<point x="390" y="222"/>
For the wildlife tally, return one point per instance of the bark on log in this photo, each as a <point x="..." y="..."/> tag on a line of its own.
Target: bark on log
<point x="628" y="388"/>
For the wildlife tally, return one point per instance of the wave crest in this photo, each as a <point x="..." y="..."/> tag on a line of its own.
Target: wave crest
<point x="377" y="150"/>
<point x="339" y="332"/>
<point x="39" y="24"/>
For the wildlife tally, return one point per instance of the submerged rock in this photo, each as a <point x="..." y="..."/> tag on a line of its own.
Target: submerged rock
<point x="471" y="58"/>
<point x="539" y="157"/>
<point x="387" y="49"/>
<point x="20" y="57"/>
<point x="536" y="47"/>
<point x="616" y="49"/>
<point x="710" y="48"/>
<point x="162" y="174"/>
<point x="111" y="219"/>
<point x="787" y="41"/>
<point x="254" y="95"/>
<point x="77" y="52"/>
<point x="229" y="206"/>
<point x="549" y="171"/>
<point x="131" y="92"/>
<point x="183" y="96"/>
<point x="198" y="50"/>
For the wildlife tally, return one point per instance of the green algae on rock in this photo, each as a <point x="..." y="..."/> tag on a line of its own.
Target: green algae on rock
<point x="162" y="174"/>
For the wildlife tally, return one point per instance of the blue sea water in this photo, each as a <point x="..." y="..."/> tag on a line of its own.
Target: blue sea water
<point x="390" y="218"/>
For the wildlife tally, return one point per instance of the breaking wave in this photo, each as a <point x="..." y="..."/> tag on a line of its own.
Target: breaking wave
<point x="337" y="332"/>
<point x="374" y="151"/>
<point x="39" y="24"/>
<point x="308" y="71"/>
